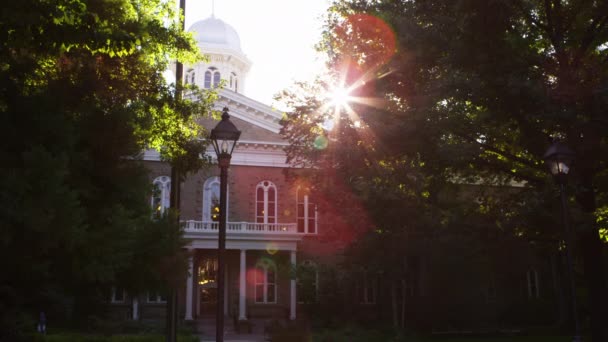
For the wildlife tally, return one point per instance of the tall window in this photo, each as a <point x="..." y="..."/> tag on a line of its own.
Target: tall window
<point x="532" y="277"/>
<point x="118" y="295"/>
<point x="211" y="200"/>
<point x="212" y="78"/>
<point x="367" y="290"/>
<point x="234" y="82"/>
<point x="160" y="195"/>
<point x="156" y="297"/>
<point x="266" y="203"/>
<point x="306" y="212"/>
<point x="307" y="285"/>
<point x="265" y="282"/>
<point x="193" y="78"/>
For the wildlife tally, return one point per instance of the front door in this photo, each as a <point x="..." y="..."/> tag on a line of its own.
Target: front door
<point x="207" y="286"/>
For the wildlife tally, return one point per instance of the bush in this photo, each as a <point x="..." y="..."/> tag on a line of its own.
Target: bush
<point x="97" y="338"/>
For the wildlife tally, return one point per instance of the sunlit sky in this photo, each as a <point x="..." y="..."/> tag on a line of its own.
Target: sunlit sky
<point x="278" y="36"/>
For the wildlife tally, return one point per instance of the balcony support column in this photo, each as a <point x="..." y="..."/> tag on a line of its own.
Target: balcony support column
<point x="243" y="286"/>
<point x="292" y="298"/>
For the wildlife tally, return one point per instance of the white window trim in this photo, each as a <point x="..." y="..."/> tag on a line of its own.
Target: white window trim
<point x="367" y="284"/>
<point x="307" y="214"/>
<point x="113" y="299"/>
<point x="157" y="300"/>
<point x="265" y="200"/>
<point x="265" y="283"/>
<point x="164" y="184"/>
<point x="207" y="198"/>
<point x="532" y="278"/>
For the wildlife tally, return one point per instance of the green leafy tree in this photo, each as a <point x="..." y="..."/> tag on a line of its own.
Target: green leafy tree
<point x="472" y="91"/>
<point x="82" y="93"/>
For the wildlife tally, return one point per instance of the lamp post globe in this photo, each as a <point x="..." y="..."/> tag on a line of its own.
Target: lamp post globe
<point x="223" y="138"/>
<point x="559" y="158"/>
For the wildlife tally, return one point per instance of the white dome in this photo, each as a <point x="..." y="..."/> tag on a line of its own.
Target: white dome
<point x="213" y="32"/>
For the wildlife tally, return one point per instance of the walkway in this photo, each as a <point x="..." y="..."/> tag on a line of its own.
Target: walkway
<point x="205" y="328"/>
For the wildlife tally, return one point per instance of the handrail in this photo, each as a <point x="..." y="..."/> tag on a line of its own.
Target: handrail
<point x="240" y="227"/>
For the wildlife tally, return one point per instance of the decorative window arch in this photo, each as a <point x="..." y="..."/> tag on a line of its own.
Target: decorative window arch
<point x="265" y="282"/>
<point x="532" y="278"/>
<point x="266" y="202"/>
<point x="306" y="211"/>
<point x="211" y="200"/>
<point x="212" y="78"/>
<point x="161" y="195"/>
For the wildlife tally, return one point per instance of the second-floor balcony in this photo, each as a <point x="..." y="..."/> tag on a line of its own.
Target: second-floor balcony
<point x="192" y="226"/>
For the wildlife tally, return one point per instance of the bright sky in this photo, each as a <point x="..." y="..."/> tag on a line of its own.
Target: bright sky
<point x="276" y="35"/>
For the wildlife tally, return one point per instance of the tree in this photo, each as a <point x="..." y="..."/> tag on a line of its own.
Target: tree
<point x="473" y="90"/>
<point x="82" y="93"/>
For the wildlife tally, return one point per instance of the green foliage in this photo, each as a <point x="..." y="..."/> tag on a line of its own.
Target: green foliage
<point x="453" y="110"/>
<point x="82" y="93"/>
<point x="116" y="338"/>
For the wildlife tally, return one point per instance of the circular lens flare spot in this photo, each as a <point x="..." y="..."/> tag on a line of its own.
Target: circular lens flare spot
<point x="272" y="248"/>
<point x="320" y="143"/>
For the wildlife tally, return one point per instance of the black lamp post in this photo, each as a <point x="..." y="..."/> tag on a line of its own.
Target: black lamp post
<point x="559" y="158"/>
<point x="223" y="137"/>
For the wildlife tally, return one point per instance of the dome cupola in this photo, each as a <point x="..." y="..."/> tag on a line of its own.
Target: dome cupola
<point x="214" y="32"/>
<point x="222" y="44"/>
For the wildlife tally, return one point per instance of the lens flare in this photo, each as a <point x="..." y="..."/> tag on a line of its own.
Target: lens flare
<point x="271" y="248"/>
<point x="320" y="143"/>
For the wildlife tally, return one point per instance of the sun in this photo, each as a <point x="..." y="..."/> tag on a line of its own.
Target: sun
<point x="340" y="97"/>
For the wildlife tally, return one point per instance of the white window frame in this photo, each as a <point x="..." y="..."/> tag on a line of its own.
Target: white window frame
<point x="207" y="192"/>
<point x="307" y="213"/>
<point x="113" y="299"/>
<point x="162" y="184"/>
<point x="366" y="284"/>
<point x="213" y="78"/>
<point x="157" y="298"/>
<point x="532" y="282"/>
<point x="261" y="269"/>
<point x="266" y="185"/>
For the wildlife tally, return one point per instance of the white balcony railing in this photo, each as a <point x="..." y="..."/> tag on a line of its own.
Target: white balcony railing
<point x="240" y="227"/>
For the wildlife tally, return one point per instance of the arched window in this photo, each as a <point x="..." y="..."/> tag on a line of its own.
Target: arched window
<point x="193" y="78"/>
<point x="233" y="81"/>
<point x="207" y="83"/>
<point x="266" y="203"/>
<point x="265" y="282"/>
<point x="306" y="211"/>
<point x="161" y="195"/>
<point x="216" y="79"/>
<point x="212" y="78"/>
<point x="532" y="277"/>
<point x="211" y="200"/>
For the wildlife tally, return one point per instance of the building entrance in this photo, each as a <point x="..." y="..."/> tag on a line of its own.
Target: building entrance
<point x="207" y="286"/>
